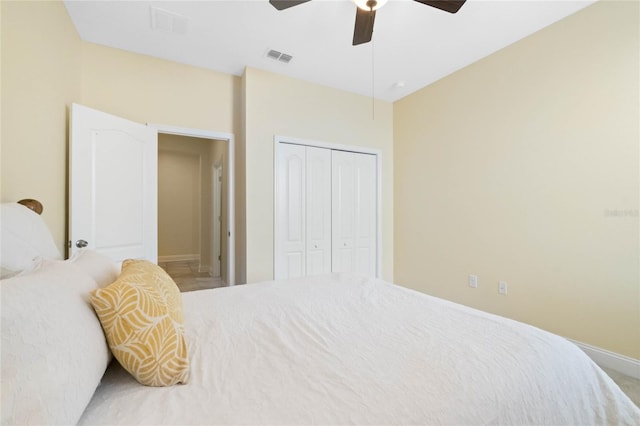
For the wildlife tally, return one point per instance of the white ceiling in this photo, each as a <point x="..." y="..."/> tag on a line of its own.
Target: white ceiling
<point x="413" y="44"/>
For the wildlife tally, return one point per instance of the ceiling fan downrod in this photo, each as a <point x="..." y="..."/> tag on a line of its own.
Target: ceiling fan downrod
<point x="369" y="5"/>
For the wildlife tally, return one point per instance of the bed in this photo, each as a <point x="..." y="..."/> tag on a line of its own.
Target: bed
<point x="335" y="349"/>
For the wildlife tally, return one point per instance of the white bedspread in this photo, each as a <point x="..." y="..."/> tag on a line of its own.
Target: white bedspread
<point x="345" y="350"/>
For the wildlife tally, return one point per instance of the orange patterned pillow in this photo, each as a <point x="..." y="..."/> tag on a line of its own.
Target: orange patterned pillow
<point x="141" y="315"/>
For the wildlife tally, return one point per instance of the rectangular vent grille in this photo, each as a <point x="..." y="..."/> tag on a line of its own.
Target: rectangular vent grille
<point x="273" y="54"/>
<point x="163" y="20"/>
<point x="279" y="56"/>
<point x="285" y="58"/>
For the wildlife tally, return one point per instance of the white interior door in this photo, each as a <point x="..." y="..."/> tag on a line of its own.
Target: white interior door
<point x="318" y="207"/>
<point x="112" y="185"/>
<point x="290" y="212"/>
<point x="354" y="218"/>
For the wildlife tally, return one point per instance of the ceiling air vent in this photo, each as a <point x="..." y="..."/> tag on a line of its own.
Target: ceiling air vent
<point x="279" y="56"/>
<point x="273" y="54"/>
<point x="285" y="58"/>
<point x="163" y="20"/>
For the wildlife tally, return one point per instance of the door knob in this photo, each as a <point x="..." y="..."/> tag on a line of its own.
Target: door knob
<point x="81" y="243"/>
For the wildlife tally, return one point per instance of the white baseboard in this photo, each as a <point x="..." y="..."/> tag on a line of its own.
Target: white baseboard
<point x="607" y="359"/>
<point x="179" y="258"/>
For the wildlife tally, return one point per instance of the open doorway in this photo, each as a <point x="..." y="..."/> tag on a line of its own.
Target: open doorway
<point x="195" y="207"/>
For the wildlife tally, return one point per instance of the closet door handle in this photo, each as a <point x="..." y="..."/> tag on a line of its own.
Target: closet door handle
<point x="81" y="243"/>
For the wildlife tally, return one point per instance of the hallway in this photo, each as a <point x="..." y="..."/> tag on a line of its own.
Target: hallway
<point x="187" y="278"/>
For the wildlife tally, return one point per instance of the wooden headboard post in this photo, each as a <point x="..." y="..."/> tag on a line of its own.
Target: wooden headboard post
<point x="34" y="205"/>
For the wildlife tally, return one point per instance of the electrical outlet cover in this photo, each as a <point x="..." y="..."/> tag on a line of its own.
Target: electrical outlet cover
<point x="473" y="281"/>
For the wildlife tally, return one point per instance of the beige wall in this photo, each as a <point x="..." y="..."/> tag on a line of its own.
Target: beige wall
<point x="40" y="78"/>
<point x="514" y="168"/>
<point x="150" y="90"/>
<point x="178" y="204"/>
<point x="278" y="105"/>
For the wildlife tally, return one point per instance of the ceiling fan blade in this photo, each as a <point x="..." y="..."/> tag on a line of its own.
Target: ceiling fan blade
<point x="451" y="6"/>
<point x="364" y="26"/>
<point x="286" y="4"/>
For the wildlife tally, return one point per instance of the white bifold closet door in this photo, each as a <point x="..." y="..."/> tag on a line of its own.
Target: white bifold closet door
<point x="318" y="205"/>
<point x="326" y="212"/>
<point x="303" y="222"/>
<point x="354" y="218"/>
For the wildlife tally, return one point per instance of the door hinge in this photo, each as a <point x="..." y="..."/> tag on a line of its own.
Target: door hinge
<point x="219" y="258"/>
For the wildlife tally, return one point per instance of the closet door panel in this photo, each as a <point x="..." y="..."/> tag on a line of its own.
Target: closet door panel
<point x="318" y="208"/>
<point x="343" y="195"/>
<point x="294" y="264"/>
<point x="366" y="218"/>
<point x="354" y="213"/>
<point x="290" y="220"/>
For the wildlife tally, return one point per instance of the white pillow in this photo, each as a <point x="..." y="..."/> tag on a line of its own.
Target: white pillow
<point x="98" y="266"/>
<point x="24" y="239"/>
<point x="54" y="352"/>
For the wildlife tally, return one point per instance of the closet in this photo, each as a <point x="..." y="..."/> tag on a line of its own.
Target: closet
<point x="326" y="211"/>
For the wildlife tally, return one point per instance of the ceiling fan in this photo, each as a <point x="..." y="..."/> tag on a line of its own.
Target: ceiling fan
<point x="366" y="13"/>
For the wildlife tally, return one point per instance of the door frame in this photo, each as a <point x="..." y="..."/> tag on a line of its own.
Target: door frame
<point x="279" y="139"/>
<point x="229" y="139"/>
